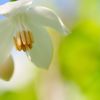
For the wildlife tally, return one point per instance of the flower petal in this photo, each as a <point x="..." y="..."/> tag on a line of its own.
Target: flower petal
<point x="6" y="34"/>
<point x="7" y="69"/>
<point x="42" y="51"/>
<point x="11" y="6"/>
<point x="46" y="17"/>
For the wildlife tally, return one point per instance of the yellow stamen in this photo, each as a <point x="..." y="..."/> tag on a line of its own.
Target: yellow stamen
<point x="23" y="37"/>
<point x="28" y="39"/>
<point x="24" y="48"/>
<point x="30" y="35"/>
<point x="23" y="40"/>
<point x="18" y="40"/>
<point x="15" y="42"/>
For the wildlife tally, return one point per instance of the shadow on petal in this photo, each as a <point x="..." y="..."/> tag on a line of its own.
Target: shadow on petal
<point x="7" y="69"/>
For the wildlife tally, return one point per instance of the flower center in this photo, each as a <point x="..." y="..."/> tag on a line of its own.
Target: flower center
<point x="23" y="40"/>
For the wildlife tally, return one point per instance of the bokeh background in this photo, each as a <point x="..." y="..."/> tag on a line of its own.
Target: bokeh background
<point x="74" y="73"/>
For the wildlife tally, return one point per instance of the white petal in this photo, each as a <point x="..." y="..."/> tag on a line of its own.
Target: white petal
<point x="11" y="6"/>
<point x="46" y="17"/>
<point x="42" y="51"/>
<point x="7" y="69"/>
<point x="6" y="34"/>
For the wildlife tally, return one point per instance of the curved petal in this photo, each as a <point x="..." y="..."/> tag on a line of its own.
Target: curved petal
<point x="7" y="69"/>
<point x="11" y="6"/>
<point x="6" y="34"/>
<point x="42" y="51"/>
<point x="46" y="17"/>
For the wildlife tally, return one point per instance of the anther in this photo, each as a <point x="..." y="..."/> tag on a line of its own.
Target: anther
<point x="23" y="40"/>
<point x="15" y="43"/>
<point x="18" y="40"/>
<point x="23" y="37"/>
<point x="31" y="37"/>
<point x="28" y="38"/>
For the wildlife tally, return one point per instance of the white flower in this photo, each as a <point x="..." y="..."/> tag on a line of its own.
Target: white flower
<point x="26" y="25"/>
<point x="6" y="69"/>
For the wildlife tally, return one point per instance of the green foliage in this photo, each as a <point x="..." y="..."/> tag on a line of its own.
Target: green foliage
<point x="13" y="0"/>
<point x="80" y="57"/>
<point x="80" y="51"/>
<point x="27" y="93"/>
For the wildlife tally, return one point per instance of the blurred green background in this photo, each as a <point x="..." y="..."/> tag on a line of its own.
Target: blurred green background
<point x="74" y="73"/>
